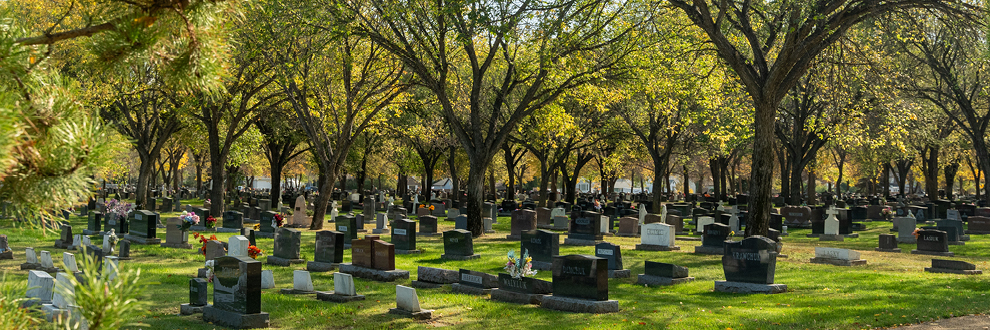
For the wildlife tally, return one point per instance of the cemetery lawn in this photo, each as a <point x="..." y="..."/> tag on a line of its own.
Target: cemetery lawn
<point x="890" y="290"/>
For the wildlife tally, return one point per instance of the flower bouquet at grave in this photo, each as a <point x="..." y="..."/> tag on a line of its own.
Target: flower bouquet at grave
<point x="254" y="252"/>
<point x="211" y="222"/>
<point x="188" y="219"/>
<point x="915" y="233"/>
<point x="257" y="226"/>
<point x="279" y="220"/>
<point x="209" y="270"/>
<point x="203" y="239"/>
<point x="519" y="267"/>
<point x="119" y="208"/>
<point x="887" y="214"/>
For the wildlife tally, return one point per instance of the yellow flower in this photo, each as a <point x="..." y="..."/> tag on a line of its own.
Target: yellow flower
<point x="528" y="259"/>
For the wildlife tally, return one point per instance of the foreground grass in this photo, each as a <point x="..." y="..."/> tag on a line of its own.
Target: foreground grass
<point x="891" y="290"/>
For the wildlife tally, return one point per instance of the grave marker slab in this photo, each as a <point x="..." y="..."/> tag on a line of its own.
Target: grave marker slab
<point x="749" y="266"/>
<point x="580" y="284"/>
<point x="933" y="242"/>
<point x="236" y="294"/>
<point x="658" y="273"/>
<point x="838" y="257"/>
<point x="458" y="244"/>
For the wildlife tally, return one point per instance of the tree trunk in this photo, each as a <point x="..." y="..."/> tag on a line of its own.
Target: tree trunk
<point x="885" y="179"/>
<point x="475" y="197"/>
<point x="950" y="178"/>
<point x="930" y="169"/>
<point x="785" y="175"/>
<point x="687" y="179"/>
<point x="761" y="177"/>
<point x="454" y="184"/>
<point x="714" y="168"/>
<point x="144" y="176"/>
<point x="812" y="187"/>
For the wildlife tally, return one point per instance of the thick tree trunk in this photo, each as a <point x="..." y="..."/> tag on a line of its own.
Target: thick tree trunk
<point x="795" y="190"/>
<point x="320" y="209"/>
<point x="144" y="176"/>
<point x="785" y="174"/>
<point x="687" y="184"/>
<point x="455" y="186"/>
<point x="950" y="178"/>
<point x="761" y="177"/>
<point x="885" y="179"/>
<point x="714" y="169"/>
<point x="812" y="187"/>
<point x="930" y="169"/>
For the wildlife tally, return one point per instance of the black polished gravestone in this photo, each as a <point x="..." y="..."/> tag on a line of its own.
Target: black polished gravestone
<point x="233" y="221"/>
<point x="198" y="297"/>
<point x="236" y="294"/>
<point x="347" y="224"/>
<point x="888" y="243"/>
<point x="658" y="273"/>
<point x="933" y="242"/>
<point x="585" y="229"/>
<point x="329" y="251"/>
<point x="404" y="236"/>
<point x="713" y="239"/>
<point x="580" y="276"/>
<point x="144" y="225"/>
<point x="249" y="233"/>
<point x="286" y="251"/>
<point x="267" y="231"/>
<point x="427" y="225"/>
<point x="93" y="225"/>
<point x="458" y="244"/>
<point x="749" y="267"/>
<point x="65" y="237"/>
<point x="542" y="245"/>
<point x="613" y="254"/>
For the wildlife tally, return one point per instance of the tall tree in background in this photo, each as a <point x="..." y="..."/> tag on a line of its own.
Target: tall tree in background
<point x="491" y="64"/>
<point x="770" y="46"/>
<point x="280" y="130"/>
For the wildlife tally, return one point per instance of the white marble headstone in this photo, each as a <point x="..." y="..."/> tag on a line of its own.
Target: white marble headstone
<point x="642" y="213"/>
<point x="76" y="241"/>
<point x="46" y="260"/>
<point x="237" y="246"/>
<point x="704" y="221"/>
<point x="381" y="221"/>
<point x="64" y="294"/>
<point x="86" y="241"/>
<point x="603" y="223"/>
<point x="29" y="256"/>
<point x="111" y="265"/>
<point x="343" y="284"/>
<point x="557" y="212"/>
<point x="832" y="223"/>
<point x="734" y="219"/>
<point x="301" y="280"/>
<point x="663" y="213"/>
<point x="657" y="234"/>
<point x="69" y="260"/>
<point x="267" y="279"/>
<point x="40" y="286"/>
<point x="834" y="253"/>
<point x="406" y="299"/>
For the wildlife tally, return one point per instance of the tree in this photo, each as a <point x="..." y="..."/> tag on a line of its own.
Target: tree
<point x="492" y="64"/>
<point x="770" y="46"/>
<point x="282" y="140"/>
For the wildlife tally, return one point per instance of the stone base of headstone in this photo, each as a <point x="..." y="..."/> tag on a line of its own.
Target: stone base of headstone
<point x="580" y="242"/>
<point x="201" y="273"/>
<point x="652" y="247"/>
<point x="53" y="270"/>
<point x="187" y="309"/>
<point x="7" y="255"/>
<point x="263" y="234"/>
<point x="542" y="265"/>
<point x="907" y="240"/>
<point x="321" y="267"/>
<point x="644" y="279"/>
<point x="963" y="237"/>
<point x="831" y="238"/>
<point x="273" y="260"/>
<point x="741" y="287"/>
<point x="379" y="231"/>
<point x="953" y="271"/>
<point x="516" y="297"/>
<point x="203" y="229"/>
<point x="425" y="285"/>
<point x="513" y="237"/>
<point x="566" y="304"/>
<point x="337" y="298"/>
<point x="425" y="314"/>
<point x="895" y="250"/>
<point x="422" y="234"/>
<point x="397" y="251"/>
<point x="710" y="250"/>
<point x="956" y="243"/>
<point x="374" y="274"/>
<point x="813" y="235"/>
<point x="234" y="320"/>
<point x="251" y="221"/>
<point x="851" y="235"/>
<point x="143" y="240"/>
<point x="52" y="312"/>
<point x="176" y="245"/>
<point x="294" y="291"/>
<point x="933" y="253"/>
<point x="62" y="245"/>
<point x="977" y="232"/>
<point x="92" y="232"/>
<point x="459" y="257"/>
<point x="838" y="262"/>
<point x="545" y="226"/>
<point x="689" y="239"/>
<point x="619" y="273"/>
<point x="228" y="230"/>
<point x="457" y="287"/>
<point x="489" y="231"/>
<point x="123" y="258"/>
<point x="627" y="235"/>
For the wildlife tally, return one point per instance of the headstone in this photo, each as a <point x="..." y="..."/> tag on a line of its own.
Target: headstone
<point x="427" y="225"/>
<point x="658" y="273"/>
<point x="267" y="279"/>
<point x="610" y="252"/>
<point x="301" y="281"/>
<point x="522" y="220"/>
<point x="838" y="257"/>
<point x="362" y="253"/>
<point x="329" y="247"/>
<point x="657" y="237"/>
<point x="404" y="235"/>
<point x="124" y="250"/>
<point x="702" y="222"/>
<point x="214" y="249"/>
<point x="347" y="224"/>
<point x="580" y="276"/>
<point x="237" y="246"/>
<point x="384" y="258"/>
<point x="40" y="287"/>
<point x="69" y="260"/>
<point x="750" y="261"/>
<point x="542" y="246"/>
<point x="585" y="227"/>
<point x="713" y="239"/>
<point x="236" y="294"/>
<point x="93" y="225"/>
<point x="905" y="230"/>
<point x="932" y="242"/>
<point x="343" y="284"/>
<point x="888" y="243"/>
<point x="953" y="267"/>
<point x="287" y="243"/>
<point x="233" y="220"/>
<point x="978" y="225"/>
<point x="175" y="237"/>
<point x="460" y="222"/>
<point x="458" y="245"/>
<point x="628" y="227"/>
<point x="408" y="303"/>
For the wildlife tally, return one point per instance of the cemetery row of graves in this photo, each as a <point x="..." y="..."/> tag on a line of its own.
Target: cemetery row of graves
<point x="411" y="264"/>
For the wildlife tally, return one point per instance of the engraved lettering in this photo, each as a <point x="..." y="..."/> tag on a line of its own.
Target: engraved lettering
<point x="399" y="231"/>
<point x="573" y="270"/>
<point x="605" y="252"/>
<point x="471" y="278"/>
<point x="536" y="241"/>
<point x="454" y="240"/>
<point x="746" y="256"/>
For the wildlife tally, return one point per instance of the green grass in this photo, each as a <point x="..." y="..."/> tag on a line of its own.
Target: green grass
<point x="891" y="290"/>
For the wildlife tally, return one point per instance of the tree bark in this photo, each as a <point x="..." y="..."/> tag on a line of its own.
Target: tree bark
<point x="761" y="177"/>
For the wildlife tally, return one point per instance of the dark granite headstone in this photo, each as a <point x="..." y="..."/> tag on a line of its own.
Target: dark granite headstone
<point x="237" y="284"/>
<point x="888" y="241"/>
<point x="523" y="220"/>
<point x="329" y="247"/>
<point x="287" y="243"/>
<point x="752" y="260"/>
<point x="542" y="245"/>
<point x="267" y="217"/>
<point x="458" y="242"/>
<point x="610" y="252"/>
<point x="347" y="224"/>
<point x="715" y="235"/>
<point x="979" y="224"/>
<point x="404" y="234"/>
<point x="587" y="226"/>
<point x="428" y="224"/>
<point x="665" y="270"/>
<point x="233" y="219"/>
<point x="144" y="223"/>
<point x="580" y="276"/>
<point x="362" y="253"/>
<point x="198" y="292"/>
<point x="933" y="240"/>
<point x="477" y="279"/>
<point x="124" y="249"/>
<point x="95" y="218"/>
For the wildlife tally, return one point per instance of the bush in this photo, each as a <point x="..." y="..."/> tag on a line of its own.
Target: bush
<point x="104" y="303"/>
